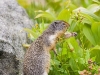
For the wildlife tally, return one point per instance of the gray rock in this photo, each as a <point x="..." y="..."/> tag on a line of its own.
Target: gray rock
<point x="13" y="19"/>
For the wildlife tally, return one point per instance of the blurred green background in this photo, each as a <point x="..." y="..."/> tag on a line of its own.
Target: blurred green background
<point x="77" y="55"/>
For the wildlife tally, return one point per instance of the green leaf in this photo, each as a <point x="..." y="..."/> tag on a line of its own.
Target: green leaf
<point x="87" y="19"/>
<point x="64" y="15"/>
<point x="34" y="34"/>
<point x="54" y="62"/>
<point x="73" y="24"/>
<point x="87" y="55"/>
<point x="89" y="35"/>
<point x="94" y="8"/>
<point x="77" y="48"/>
<point x="85" y="11"/>
<point x="73" y="64"/>
<point x="97" y="1"/>
<point x="41" y="26"/>
<point x="95" y="52"/>
<point x="96" y="47"/>
<point x="96" y="31"/>
<point x="26" y="45"/>
<point x="81" y="61"/>
<point x="47" y="15"/>
<point x="64" y="49"/>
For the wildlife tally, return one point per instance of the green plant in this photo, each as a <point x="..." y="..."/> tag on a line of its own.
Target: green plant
<point x="76" y="53"/>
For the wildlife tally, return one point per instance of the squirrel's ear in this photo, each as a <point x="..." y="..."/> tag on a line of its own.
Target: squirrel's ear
<point x="54" y="24"/>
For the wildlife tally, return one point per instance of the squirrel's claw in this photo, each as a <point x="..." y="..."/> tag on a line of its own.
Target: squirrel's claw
<point x="74" y="33"/>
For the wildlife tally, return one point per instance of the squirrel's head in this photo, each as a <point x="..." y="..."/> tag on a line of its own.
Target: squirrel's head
<point x="55" y="30"/>
<point x="59" y="27"/>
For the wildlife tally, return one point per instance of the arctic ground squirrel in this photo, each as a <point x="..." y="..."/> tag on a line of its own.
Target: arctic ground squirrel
<point x="37" y="57"/>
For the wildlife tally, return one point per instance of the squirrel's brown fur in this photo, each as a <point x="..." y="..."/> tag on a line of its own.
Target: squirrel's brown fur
<point x="37" y="57"/>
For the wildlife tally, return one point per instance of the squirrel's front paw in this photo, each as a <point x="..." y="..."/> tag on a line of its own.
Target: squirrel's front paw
<point x="70" y="34"/>
<point x="74" y="34"/>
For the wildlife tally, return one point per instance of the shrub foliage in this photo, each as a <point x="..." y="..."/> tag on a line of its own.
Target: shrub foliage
<point x="77" y="55"/>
